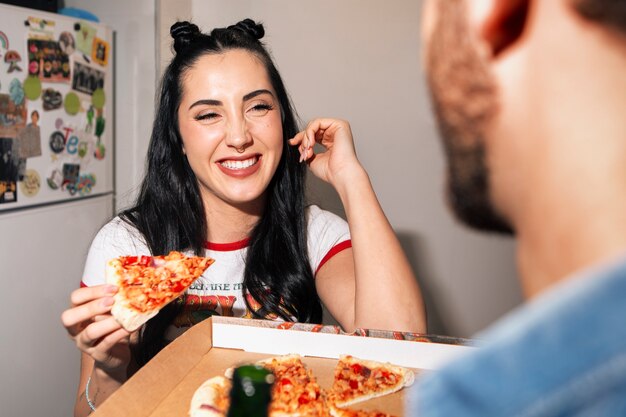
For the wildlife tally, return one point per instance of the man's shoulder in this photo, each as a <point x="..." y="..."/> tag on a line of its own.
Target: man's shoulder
<point x="562" y="351"/>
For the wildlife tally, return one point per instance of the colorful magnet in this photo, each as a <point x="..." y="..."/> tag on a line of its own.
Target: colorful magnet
<point x="70" y="177"/>
<point x="9" y="170"/>
<point x="72" y="103"/>
<point x="67" y="43"/>
<point x="55" y="180"/>
<point x="58" y="123"/>
<point x="16" y="91"/>
<point x="57" y="142"/>
<point x="99" y="153"/>
<point x="12" y="116"/>
<point x="31" y="183"/>
<point x="100" y="51"/>
<point x="84" y="38"/>
<point x="12" y="58"/>
<point x="99" y="127"/>
<point x="98" y="98"/>
<point x="4" y="41"/>
<point x="85" y="184"/>
<point x="30" y="138"/>
<point x="32" y="87"/>
<point x="47" y="61"/>
<point x="86" y="79"/>
<point x="52" y="99"/>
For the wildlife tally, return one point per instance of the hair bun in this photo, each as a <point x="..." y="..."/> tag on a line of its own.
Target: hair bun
<point x="183" y="33"/>
<point x="250" y="28"/>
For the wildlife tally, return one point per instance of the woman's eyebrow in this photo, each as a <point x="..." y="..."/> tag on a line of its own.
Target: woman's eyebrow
<point x="211" y="102"/>
<point x="255" y="93"/>
<point x="207" y="102"/>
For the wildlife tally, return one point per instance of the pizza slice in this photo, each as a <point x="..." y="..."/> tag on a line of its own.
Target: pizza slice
<point x="148" y="283"/>
<point x="296" y="392"/>
<point x="211" y="399"/>
<point x="358" y="380"/>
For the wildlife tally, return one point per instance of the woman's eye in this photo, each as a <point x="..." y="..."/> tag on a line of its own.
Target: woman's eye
<point x="261" y="109"/>
<point x="207" y="116"/>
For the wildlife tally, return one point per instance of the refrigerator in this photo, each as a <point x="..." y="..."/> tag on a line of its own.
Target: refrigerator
<point x="56" y="191"/>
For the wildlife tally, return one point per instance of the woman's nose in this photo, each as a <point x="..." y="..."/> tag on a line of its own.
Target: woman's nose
<point x="238" y="136"/>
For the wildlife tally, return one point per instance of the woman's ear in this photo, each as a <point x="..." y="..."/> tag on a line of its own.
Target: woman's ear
<point x="499" y="24"/>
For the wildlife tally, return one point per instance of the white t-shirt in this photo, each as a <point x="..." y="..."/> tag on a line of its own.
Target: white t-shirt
<point x="219" y="289"/>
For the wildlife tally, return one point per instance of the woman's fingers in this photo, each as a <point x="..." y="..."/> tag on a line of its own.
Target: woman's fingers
<point x="87" y="303"/>
<point x="99" y="333"/>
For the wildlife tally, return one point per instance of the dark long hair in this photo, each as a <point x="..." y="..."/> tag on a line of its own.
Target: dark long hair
<point x="170" y="213"/>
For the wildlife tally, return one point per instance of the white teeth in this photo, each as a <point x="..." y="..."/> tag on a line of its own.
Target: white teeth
<point x="239" y="164"/>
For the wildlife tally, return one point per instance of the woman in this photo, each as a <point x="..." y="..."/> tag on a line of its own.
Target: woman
<point x="226" y="164"/>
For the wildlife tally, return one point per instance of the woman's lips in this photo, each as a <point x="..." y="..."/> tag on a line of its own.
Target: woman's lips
<point x="240" y="167"/>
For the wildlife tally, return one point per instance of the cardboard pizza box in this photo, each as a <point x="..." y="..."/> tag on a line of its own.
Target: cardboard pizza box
<point x="165" y="385"/>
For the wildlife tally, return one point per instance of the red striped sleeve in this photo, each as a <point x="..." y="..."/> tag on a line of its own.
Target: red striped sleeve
<point x="83" y="285"/>
<point x="334" y="251"/>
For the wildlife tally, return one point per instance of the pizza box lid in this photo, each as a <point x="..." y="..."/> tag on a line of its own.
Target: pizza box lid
<point x="165" y="385"/>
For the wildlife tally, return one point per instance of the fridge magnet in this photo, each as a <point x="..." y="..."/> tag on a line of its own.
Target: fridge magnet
<point x="52" y="99"/>
<point x="100" y="149"/>
<point x="72" y="103"/>
<point x="32" y="87"/>
<point x="90" y="115"/>
<point x="70" y="177"/>
<point x="12" y="116"/>
<point x="12" y="58"/>
<point x="41" y="26"/>
<point x="85" y="184"/>
<point x="55" y="179"/>
<point x="31" y="183"/>
<point x="98" y="98"/>
<point x="47" y="61"/>
<point x="29" y="138"/>
<point x="4" y="41"/>
<point x="67" y="43"/>
<point x="87" y="79"/>
<point x="8" y="171"/>
<point x="16" y="91"/>
<point x="100" y="51"/>
<point x="84" y="38"/>
<point x="57" y="142"/>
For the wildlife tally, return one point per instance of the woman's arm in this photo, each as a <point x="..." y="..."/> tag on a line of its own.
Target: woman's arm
<point x="371" y="285"/>
<point x="103" y="342"/>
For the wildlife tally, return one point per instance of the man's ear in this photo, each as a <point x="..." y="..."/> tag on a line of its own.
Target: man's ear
<point x="499" y="23"/>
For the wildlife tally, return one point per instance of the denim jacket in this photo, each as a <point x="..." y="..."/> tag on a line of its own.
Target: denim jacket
<point x="561" y="354"/>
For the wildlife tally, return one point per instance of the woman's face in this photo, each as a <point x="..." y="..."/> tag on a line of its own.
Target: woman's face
<point x="230" y="123"/>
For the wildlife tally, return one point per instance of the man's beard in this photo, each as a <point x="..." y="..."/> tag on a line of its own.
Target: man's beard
<point x="464" y="96"/>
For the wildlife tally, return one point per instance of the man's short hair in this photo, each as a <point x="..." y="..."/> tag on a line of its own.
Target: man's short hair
<point x="611" y="13"/>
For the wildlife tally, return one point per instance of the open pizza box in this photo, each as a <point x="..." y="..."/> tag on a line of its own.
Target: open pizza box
<point x="164" y="386"/>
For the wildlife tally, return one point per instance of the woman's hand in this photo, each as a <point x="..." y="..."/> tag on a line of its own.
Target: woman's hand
<point x="89" y="323"/>
<point x="338" y="160"/>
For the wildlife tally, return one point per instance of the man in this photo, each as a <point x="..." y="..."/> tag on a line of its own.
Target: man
<point x="531" y="101"/>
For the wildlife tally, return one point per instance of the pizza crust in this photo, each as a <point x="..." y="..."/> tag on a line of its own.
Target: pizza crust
<point x="211" y="398"/>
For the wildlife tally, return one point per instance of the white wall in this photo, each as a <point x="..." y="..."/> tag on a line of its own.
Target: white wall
<point x="359" y="60"/>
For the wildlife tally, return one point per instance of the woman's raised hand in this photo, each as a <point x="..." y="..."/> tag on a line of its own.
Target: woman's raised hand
<point x="339" y="157"/>
<point x="89" y="323"/>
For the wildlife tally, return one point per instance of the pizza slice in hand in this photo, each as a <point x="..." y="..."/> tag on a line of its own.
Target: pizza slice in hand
<point x="358" y="380"/>
<point x="148" y="283"/>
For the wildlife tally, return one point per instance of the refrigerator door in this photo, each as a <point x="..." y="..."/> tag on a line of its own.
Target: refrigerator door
<point x="56" y="108"/>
